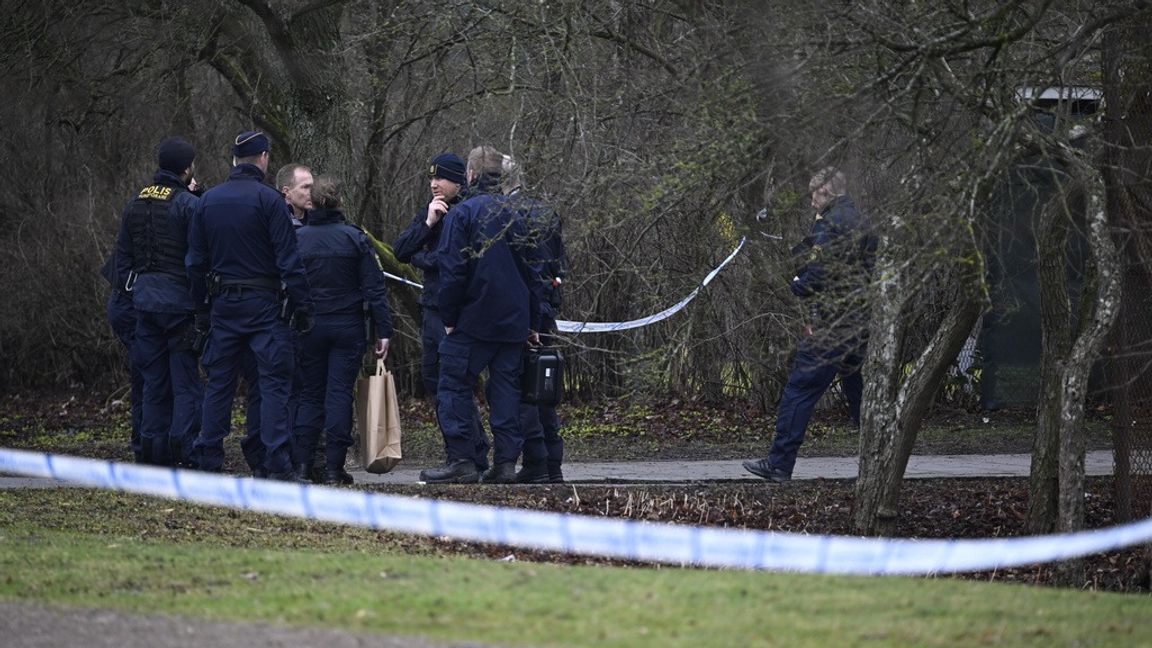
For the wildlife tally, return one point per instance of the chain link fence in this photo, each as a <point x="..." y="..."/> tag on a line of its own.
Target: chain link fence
<point x="1131" y="391"/>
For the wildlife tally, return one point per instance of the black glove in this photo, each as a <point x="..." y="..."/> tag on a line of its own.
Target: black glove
<point x="302" y="321"/>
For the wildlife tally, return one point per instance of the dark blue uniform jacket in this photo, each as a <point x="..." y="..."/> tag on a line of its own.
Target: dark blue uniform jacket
<point x="417" y="245"/>
<point x="544" y="227"/>
<point x="242" y="229"/>
<point x="158" y="290"/>
<point x="839" y="265"/>
<point x="343" y="271"/>
<point x="490" y="284"/>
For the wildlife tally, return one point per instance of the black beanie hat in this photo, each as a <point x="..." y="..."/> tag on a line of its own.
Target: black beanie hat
<point x="448" y="166"/>
<point x="249" y="143"/>
<point x="175" y="155"/>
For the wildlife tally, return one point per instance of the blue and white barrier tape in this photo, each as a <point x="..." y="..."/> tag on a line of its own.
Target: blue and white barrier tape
<point x="579" y="534"/>
<point x="567" y="326"/>
<point x="402" y="280"/>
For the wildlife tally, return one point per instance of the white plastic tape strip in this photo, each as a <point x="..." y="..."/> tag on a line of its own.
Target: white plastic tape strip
<point x="566" y="326"/>
<point x="402" y="280"/>
<point x="611" y="537"/>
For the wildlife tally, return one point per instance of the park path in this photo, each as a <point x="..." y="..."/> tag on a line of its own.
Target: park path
<point x="1096" y="462"/>
<point x="35" y="625"/>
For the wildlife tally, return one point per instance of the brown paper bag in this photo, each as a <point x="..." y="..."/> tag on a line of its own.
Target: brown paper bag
<point x="378" y="420"/>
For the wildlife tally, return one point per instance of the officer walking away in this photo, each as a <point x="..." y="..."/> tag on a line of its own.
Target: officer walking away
<point x="150" y="253"/>
<point x="489" y="301"/>
<point x="543" y="445"/>
<point x="417" y="245"/>
<point x="346" y="281"/>
<point x="122" y="319"/>
<point x="834" y="281"/>
<point x="241" y="251"/>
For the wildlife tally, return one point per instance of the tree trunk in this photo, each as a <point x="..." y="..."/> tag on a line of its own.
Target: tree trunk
<point x="1084" y="353"/>
<point x="893" y="411"/>
<point x="290" y="89"/>
<point x="1052" y="229"/>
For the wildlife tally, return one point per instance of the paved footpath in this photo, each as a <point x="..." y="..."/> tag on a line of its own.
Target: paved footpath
<point x="1097" y="462"/>
<point x="38" y="625"/>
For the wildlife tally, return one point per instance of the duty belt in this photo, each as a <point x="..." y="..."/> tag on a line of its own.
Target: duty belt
<point x="267" y="283"/>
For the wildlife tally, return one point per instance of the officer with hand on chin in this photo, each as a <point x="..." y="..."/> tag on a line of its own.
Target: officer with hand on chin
<point x="417" y="245"/>
<point x="489" y="300"/>
<point x="242" y="250"/>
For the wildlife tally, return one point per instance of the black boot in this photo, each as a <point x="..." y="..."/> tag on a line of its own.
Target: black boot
<point x="555" y="474"/>
<point x="337" y="476"/>
<point x="532" y="473"/>
<point x="288" y="476"/>
<point x="457" y="471"/>
<point x="502" y="473"/>
<point x="333" y="471"/>
<point x="302" y="474"/>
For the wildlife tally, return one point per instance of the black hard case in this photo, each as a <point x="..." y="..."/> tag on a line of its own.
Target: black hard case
<point x="542" y="382"/>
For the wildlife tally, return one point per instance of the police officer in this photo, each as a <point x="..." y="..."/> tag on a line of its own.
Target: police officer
<point x="346" y="281"/>
<point x="150" y="251"/>
<point x="840" y="254"/>
<point x="417" y="245"/>
<point x="242" y="250"/>
<point x="489" y="302"/>
<point x="294" y="181"/>
<point x="543" y="445"/>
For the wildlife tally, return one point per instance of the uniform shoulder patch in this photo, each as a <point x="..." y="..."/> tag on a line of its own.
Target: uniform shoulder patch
<point x="156" y="192"/>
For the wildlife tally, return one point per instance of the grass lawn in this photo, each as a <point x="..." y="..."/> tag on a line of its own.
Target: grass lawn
<point x="230" y="565"/>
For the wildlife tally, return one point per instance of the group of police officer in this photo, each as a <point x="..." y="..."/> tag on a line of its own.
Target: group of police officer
<point x="493" y="261"/>
<point x="277" y="286"/>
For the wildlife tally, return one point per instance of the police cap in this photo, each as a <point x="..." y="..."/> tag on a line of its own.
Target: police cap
<point x="175" y="155"/>
<point x="448" y="166"/>
<point x="250" y="143"/>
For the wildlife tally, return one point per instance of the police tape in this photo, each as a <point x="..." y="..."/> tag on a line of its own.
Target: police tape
<point x="566" y="326"/>
<point x="580" y="534"/>
<point x="402" y="279"/>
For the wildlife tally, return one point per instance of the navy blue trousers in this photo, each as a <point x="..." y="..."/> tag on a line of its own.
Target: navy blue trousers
<point x="542" y="440"/>
<point x="431" y="335"/>
<point x="251" y="445"/>
<point x="172" y="388"/>
<point x="330" y="357"/>
<point x="813" y="371"/>
<point x="462" y="359"/>
<point x="243" y="320"/>
<point x="122" y="318"/>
